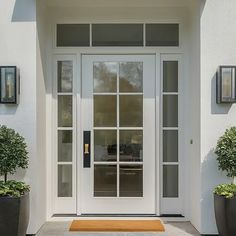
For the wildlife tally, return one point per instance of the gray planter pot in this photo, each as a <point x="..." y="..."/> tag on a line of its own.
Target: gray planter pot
<point x="14" y="215"/>
<point x="225" y="213"/>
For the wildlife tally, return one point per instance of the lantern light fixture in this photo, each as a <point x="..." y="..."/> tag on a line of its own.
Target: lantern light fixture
<point x="226" y="84"/>
<point x="9" y="85"/>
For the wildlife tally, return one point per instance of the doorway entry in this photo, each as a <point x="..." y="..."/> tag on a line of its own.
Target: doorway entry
<point x="118" y="124"/>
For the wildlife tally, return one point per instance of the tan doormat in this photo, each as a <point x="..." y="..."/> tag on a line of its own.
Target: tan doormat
<point x="117" y="226"/>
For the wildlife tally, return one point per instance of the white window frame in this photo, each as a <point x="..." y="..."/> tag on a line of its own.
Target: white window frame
<point x="63" y="205"/>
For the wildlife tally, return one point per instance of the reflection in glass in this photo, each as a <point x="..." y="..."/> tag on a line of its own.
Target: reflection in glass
<point x="170" y="181"/>
<point x="105" y="177"/>
<point x="65" y="111"/>
<point x="64" y="181"/>
<point x="131" y="181"/>
<point x="72" y="35"/>
<point x="170" y="111"/>
<point x="65" y="76"/>
<point x="105" y="145"/>
<point x="117" y="34"/>
<point x="227" y="82"/>
<point x="105" y="74"/>
<point x="170" y="76"/>
<point x="131" y="111"/>
<point x="131" y="145"/>
<point x="162" y="35"/>
<point x="8" y="85"/>
<point x="170" y="145"/>
<point x="64" y="145"/>
<point x="131" y="77"/>
<point x="105" y="111"/>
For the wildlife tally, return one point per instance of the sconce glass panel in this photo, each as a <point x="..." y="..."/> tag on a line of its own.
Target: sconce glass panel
<point x="8" y="83"/>
<point x="226" y="84"/>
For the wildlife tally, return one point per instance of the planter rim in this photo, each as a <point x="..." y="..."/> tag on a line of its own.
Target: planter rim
<point x="9" y="197"/>
<point x="224" y="196"/>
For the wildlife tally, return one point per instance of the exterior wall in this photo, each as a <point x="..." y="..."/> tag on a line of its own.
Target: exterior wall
<point x="218" y="37"/>
<point x="18" y="47"/>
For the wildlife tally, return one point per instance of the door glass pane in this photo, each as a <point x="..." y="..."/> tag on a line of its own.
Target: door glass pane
<point x="131" y="111"/>
<point x="105" y="111"/>
<point x="64" y="145"/>
<point x="131" y="145"/>
<point x="162" y="35"/>
<point x="131" y="181"/>
<point x="105" y="145"/>
<point x="64" y="180"/>
<point x="105" y="75"/>
<point x="117" y="35"/>
<point x="72" y="35"/>
<point x="170" y="111"/>
<point x="170" y="181"/>
<point x="105" y="181"/>
<point x="65" y="76"/>
<point x="131" y="77"/>
<point x="65" y="111"/>
<point x="170" y="76"/>
<point x="170" y="145"/>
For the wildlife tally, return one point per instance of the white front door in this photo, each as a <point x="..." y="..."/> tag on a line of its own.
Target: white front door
<point x="118" y="124"/>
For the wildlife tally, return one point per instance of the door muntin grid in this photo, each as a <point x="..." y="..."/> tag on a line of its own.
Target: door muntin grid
<point x="118" y="129"/>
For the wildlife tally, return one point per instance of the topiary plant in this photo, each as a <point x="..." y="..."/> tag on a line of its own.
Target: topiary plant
<point x="13" y="152"/>
<point x="226" y="152"/>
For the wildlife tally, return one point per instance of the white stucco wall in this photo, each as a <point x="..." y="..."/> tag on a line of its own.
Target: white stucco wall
<point x="218" y="37"/>
<point x="18" y="47"/>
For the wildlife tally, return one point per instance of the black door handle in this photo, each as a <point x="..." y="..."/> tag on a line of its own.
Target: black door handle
<point x="87" y="149"/>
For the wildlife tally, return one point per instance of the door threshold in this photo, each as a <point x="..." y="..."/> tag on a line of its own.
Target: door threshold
<point x="70" y="217"/>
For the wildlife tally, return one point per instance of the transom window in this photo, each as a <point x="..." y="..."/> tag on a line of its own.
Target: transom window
<point x="115" y="35"/>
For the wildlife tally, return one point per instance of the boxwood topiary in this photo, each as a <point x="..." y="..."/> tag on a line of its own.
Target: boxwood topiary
<point x="226" y="157"/>
<point x="13" y="155"/>
<point x="226" y="152"/>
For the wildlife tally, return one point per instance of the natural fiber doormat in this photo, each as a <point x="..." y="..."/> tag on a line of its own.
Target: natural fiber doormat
<point x="117" y="226"/>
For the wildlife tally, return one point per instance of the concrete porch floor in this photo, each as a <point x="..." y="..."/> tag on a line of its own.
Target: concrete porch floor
<point x="172" y="229"/>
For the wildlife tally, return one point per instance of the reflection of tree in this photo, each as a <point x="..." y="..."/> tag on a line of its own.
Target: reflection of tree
<point x="65" y="75"/>
<point x="131" y="76"/>
<point x="65" y="110"/>
<point x="105" y="77"/>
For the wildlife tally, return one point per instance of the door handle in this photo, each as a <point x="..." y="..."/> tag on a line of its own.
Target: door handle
<point x="86" y="148"/>
<point x="86" y="151"/>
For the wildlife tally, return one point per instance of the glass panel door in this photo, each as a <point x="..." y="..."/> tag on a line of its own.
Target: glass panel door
<point x="119" y="109"/>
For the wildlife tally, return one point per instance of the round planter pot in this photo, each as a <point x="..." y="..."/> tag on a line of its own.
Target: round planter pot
<point x="14" y="215"/>
<point x="225" y="213"/>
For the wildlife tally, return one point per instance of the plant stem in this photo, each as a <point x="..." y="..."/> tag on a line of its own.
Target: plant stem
<point x="5" y="177"/>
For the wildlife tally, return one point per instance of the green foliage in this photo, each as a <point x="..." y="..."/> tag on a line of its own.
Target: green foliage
<point x="13" y="188"/>
<point x="226" y="190"/>
<point x="13" y="152"/>
<point x="226" y="152"/>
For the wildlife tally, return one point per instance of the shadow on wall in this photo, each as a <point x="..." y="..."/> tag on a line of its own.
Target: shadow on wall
<point x="217" y="108"/>
<point x="24" y="10"/>
<point x="211" y="177"/>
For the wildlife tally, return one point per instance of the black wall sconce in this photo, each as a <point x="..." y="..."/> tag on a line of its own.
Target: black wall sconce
<point x="226" y="84"/>
<point x="9" y="85"/>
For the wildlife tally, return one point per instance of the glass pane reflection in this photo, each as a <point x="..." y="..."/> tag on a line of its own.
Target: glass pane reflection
<point x="105" y="111"/>
<point x="131" y="181"/>
<point x="131" y="111"/>
<point x="131" y="145"/>
<point x="105" y="145"/>
<point x="105" y="181"/>
<point x="131" y="77"/>
<point x="105" y="74"/>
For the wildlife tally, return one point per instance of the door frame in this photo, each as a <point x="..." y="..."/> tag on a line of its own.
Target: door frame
<point x="77" y="54"/>
<point x="157" y="118"/>
<point x="149" y="70"/>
